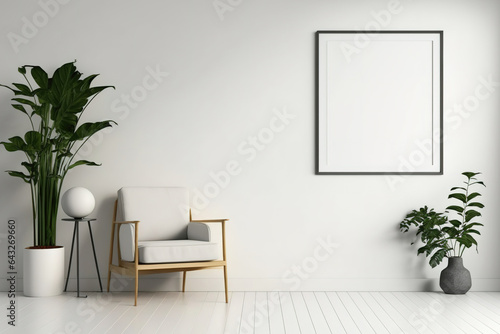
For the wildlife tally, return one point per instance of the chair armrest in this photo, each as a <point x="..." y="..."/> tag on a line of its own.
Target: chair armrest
<point x="126" y="239"/>
<point x="198" y="231"/>
<point x="209" y="220"/>
<point x="127" y="222"/>
<point x="223" y="226"/>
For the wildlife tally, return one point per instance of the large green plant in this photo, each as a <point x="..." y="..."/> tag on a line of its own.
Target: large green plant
<point x="53" y="107"/>
<point x="443" y="237"/>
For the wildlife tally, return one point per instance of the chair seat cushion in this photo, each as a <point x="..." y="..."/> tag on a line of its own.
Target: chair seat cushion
<point x="177" y="251"/>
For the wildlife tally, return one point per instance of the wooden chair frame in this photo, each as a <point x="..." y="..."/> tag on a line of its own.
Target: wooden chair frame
<point x="135" y="268"/>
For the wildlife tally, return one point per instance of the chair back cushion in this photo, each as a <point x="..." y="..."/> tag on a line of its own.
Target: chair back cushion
<point x="163" y="212"/>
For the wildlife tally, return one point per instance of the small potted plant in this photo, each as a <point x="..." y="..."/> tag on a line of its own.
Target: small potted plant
<point x="444" y="237"/>
<point x="53" y="106"/>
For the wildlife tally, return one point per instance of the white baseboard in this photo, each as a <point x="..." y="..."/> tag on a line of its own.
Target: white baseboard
<point x="249" y="284"/>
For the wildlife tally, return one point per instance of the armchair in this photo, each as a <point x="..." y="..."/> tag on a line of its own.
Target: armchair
<point x="156" y="234"/>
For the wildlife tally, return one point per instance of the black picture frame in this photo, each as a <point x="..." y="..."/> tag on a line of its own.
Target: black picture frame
<point x="379" y="101"/>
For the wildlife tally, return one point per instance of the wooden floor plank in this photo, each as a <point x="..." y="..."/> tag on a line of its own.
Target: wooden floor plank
<point x="289" y="316"/>
<point x="47" y="317"/>
<point x="206" y="313"/>
<point x="316" y="313"/>
<point x="333" y="320"/>
<point x="247" y="322"/>
<point x="116" y="315"/>
<point x="491" y="297"/>
<point x="261" y="314"/>
<point x="193" y="309"/>
<point x="357" y="316"/>
<point x="303" y="316"/>
<point x="492" y="310"/>
<point x="94" y="310"/>
<point x="393" y="312"/>
<point x="368" y="313"/>
<point x="132" y="313"/>
<point x="468" y="314"/>
<point x="407" y="310"/>
<point x="144" y="317"/>
<point x="181" y="320"/>
<point x="160" y="313"/>
<point x="220" y="313"/>
<point x="427" y="319"/>
<point x="442" y="305"/>
<point x="380" y="313"/>
<point x="232" y="325"/>
<point x="344" y="315"/>
<point x="276" y="323"/>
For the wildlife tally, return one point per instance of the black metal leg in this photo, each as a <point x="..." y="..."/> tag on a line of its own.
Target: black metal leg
<point x="95" y="257"/>
<point x="70" y="257"/>
<point x="78" y="261"/>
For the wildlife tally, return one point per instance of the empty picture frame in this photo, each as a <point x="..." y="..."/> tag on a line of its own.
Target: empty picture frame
<point x="379" y="102"/>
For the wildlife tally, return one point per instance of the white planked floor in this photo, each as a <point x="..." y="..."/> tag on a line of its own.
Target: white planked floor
<point x="257" y="312"/>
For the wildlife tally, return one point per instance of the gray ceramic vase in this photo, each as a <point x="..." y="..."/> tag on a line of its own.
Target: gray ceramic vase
<point x="455" y="279"/>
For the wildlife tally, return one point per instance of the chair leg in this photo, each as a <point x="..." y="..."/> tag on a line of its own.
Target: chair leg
<point x="184" y="281"/>
<point x="225" y="282"/>
<point x="136" y="286"/>
<point x="109" y="277"/>
<point x="111" y="250"/>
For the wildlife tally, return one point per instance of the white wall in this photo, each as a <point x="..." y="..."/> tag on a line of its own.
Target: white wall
<point x="228" y="76"/>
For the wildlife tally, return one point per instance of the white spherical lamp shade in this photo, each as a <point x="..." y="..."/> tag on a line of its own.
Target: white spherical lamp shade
<point x="78" y="202"/>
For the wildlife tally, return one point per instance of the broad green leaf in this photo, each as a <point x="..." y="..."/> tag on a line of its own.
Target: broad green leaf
<point x="455" y="223"/>
<point x="33" y="140"/>
<point x="24" y="101"/>
<point x="88" y="81"/>
<point x="43" y="95"/>
<point x="471" y="239"/>
<point x="88" y="129"/>
<point x="40" y="77"/>
<point x="25" y="90"/>
<point x="455" y="188"/>
<point x="433" y="234"/>
<point x="460" y="197"/>
<point x="16" y="144"/>
<point x="83" y="162"/>
<point x="63" y="79"/>
<point x="470" y="174"/>
<point x="65" y="123"/>
<point x="20" y="107"/>
<point x="42" y="110"/>
<point x="476" y="204"/>
<point x="424" y="249"/>
<point x="479" y="182"/>
<point x="471" y="214"/>
<point x="437" y="257"/>
<point x="97" y="90"/>
<point x="468" y="226"/>
<point x="26" y="178"/>
<point x="456" y="208"/>
<point x="473" y="195"/>
<point x="464" y="240"/>
<point x="32" y="169"/>
<point x="451" y="231"/>
<point x="12" y="89"/>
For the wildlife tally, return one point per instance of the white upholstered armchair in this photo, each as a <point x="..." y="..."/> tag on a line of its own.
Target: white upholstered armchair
<point x="156" y="234"/>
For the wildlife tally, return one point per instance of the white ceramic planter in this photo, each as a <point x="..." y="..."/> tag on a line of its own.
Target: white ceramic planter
<point x="43" y="272"/>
